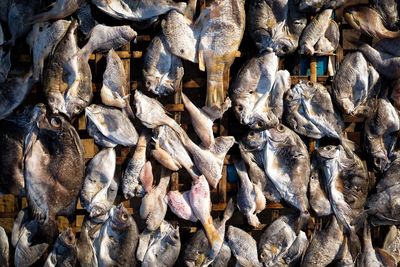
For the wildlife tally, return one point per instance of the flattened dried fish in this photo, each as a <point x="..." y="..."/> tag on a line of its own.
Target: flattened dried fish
<point x="162" y="71"/>
<point x="60" y="9"/>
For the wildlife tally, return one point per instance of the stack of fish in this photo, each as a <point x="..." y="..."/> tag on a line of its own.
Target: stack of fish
<point x="44" y="158"/>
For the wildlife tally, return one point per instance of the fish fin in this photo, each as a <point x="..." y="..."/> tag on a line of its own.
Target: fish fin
<point x="348" y="145"/>
<point x="146" y="176"/>
<point x="229" y="210"/>
<point x="253" y="220"/>
<point x="129" y="112"/>
<point x="202" y="66"/>
<point x="355" y="245"/>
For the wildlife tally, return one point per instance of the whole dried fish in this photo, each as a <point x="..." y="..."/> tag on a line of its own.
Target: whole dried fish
<point x="162" y="71"/>
<point x="392" y="242"/>
<point x="104" y="38"/>
<point x="43" y="39"/>
<point x="180" y="205"/>
<point x="99" y="188"/>
<point x="287" y="164"/>
<point x="19" y="13"/>
<point x="4" y="248"/>
<point x="86" y="253"/>
<point x="243" y="247"/>
<point x="250" y="199"/>
<point x="118" y="239"/>
<point x="164" y="158"/>
<point x="64" y="252"/>
<point x="368" y="21"/>
<point x="98" y="137"/>
<point x="60" y="9"/>
<point x="138" y="10"/>
<point x="113" y="124"/>
<point x="52" y="179"/>
<point x="380" y="132"/>
<point x="297" y="249"/>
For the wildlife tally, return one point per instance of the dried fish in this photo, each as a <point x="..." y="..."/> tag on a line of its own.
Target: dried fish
<point x="64" y="252"/>
<point x="60" y="9"/>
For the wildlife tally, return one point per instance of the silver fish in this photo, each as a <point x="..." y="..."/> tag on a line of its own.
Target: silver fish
<point x="318" y="198"/>
<point x="243" y="247"/>
<point x="250" y="199"/>
<point x="138" y="10"/>
<point x="99" y="187"/>
<point x="115" y="89"/>
<point x="86" y="253"/>
<point x="50" y="135"/>
<point x="59" y="10"/>
<point x="43" y="40"/>
<point x="104" y="38"/>
<point x="4" y="248"/>
<point x="162" y="71"/>
<point x="98" y="137"/>
<point x="113" y="124"/>
<point x="118" y="239"/>
<point x="64" y="252"/>
<point x="164" y="247"/>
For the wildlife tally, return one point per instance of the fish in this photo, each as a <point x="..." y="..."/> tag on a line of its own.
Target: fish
<point x="13" y="92"/>
<point x="51" y="134"/>
<point x="221" y="35"/>
<point x="24" y="233"/>
<point x="352" y="83"/>
<point x="318" y="198"/>
<point x="373" y="256"/>
<point x="85" y="18"/>
<point x="19" y="13"/>
<point x="99" y="187"/>
<point x="61" y="70"/>
<point x="86" y="253"/>
<point x="287" y="164"/>
<point x="315" y="31"/>
<point x="42" y="40"/>
<point x="164" y="158"/>
<point x="389" y="13"/>
<point x="103" y="38"/>
<point x="162" y="70"/>
<point x="243" y="247"/>
<point x="380" y="133"/>
<point x="5" y="58"/>
<point x="388" y="46"/>
<point x="250" y="199"/>
<point x="391" y="243"/>
<point x="297" y="249"/>
<point x="115" y="89"/>
<point x="13" y="131"/>
<point x="197" y="249"/>
<point x="368" y="21"/>
<point x="324" y="245"/>
<point x="112" y="124"/>
<point x="4" y="248"/>
<point x="329" y="42"/>
<point x="98" y="137"/>
<point x="138" y="10"/>
<point x="118" y="239"/>
<point x="276" y="241"/>
<point x="164" y="247"/>
<point x="130" y="179"/>
<point x="254" y="79"/>
<point x="314" y="6"/>
<point x="180" y="205"/>
<point x="64" y="252"/>
<point x="154" y="204"/>
<point x="385" y="64"/>
<point x="253" y="158"/>
<point x="59" y="10"/>
<point x="275" y="25"/>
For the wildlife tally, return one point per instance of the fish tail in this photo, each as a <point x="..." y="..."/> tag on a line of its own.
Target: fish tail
<point x="213" y="237"/>
<point x="348" y="145"/>
<point x="229" y="210"/>
<point x="253" y="220"/>
<point x="355" y="244"/>
<point x="128" y="110"/>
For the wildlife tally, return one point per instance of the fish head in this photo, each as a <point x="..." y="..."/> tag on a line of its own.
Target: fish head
<point x="284" y="46"/>
<point x="68" y="238"/>
<point x="94" y="113"/>
<point x="356" y="15"/>
<point x="243" y="106"/>
<point x="120" y="217"/>
<point x="75" y="105"/>
<point x="56" y="102"/>
<point x="328" y="152"/>
<point x="151" y="83"/>
<point x="263" y="120"/>
<point x="279" y="134"/>
<point x="255" y="139"/>
<point x="268" y="252"/>
<point x="355" y="191"/>
<point x="174" y="237"/>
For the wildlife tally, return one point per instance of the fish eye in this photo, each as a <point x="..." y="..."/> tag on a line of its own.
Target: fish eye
<point x="252" y="134"/>
<point x="310" y="84"/>
<point x="51" y="99"/>
<point x="280" y="128"/>
<point x="251" y="92"/>
<point x="377" y="161"/>
<point x="285" y="49"/>
<point x="239" y="107"/>
<point x="55" y="121"/>
<point x="260" y="124"/>
<point x="77" y="110"/>
<point x="289" y="97"/>
<point x="182" y="51"/>
<point x="148" y="83"/>
<point x="313" y="177"/>
<point x="124" y="216"/>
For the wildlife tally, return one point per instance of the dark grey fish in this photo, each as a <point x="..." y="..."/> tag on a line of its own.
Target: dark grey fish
<point x="275" y="25"/>
<point x="99" y="187"/>
<point x="5" y="58"/>
<point x="50" y="135"/>
<point x="64" y="253"/>
<point x="130" y="180"/>
<point x="388" y="46"/>
<point x="86" y="253"/>
<point x="223" y="258"/>
<point x="297" y="249"/>
<point x="392" y="242"/>
<point x="24" y="231"/>
<point x="98" y="137"/>
<point x="154" y="204"/>
<point x="388" y="9"/>
<point x="115" y="89"/>
<point x="287" y="164"/>
<point x="276" y="240"/>
<point x="138" y="10"/>
<point x="164" y="247"/>
<point x="380" y="132"/>
<point x="85" y="18"/>
<point x="118" y="239"/>
<point x="59" y="10"/>
<point x="12" y="134"/>
<point x="243" y="247"/>
<point x="103" y="38"/>
<point x="250" y="199"/>
<point x="43" y="40"/>
<point x="4" y="7"/>
<point x="162" y="71"/>
<point x="324" y="245"/>
<point x="113" y="124"/>
<point x="4" y="248"/>
<point x="13" y="91"/>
